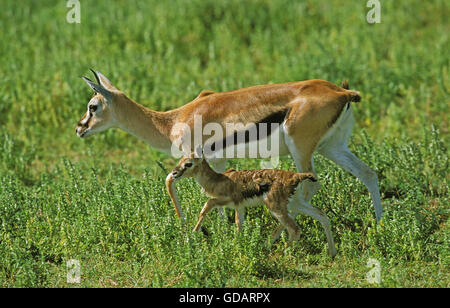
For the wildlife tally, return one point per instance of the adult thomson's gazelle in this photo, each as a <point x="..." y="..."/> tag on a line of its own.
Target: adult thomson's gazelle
<point x="313" y="115"/>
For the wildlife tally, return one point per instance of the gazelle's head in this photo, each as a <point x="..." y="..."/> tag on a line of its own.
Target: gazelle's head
<point x="99" y="115"/>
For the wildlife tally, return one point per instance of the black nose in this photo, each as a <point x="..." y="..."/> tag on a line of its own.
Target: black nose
<point x="174" y="173"/>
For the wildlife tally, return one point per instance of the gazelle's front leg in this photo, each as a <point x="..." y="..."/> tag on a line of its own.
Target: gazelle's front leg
<point x="172" y="190"/>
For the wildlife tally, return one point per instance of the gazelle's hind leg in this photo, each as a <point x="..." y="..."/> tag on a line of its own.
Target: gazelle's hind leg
<point x="302" y="154"/>
<point x="334" y="147"/>
<point x="304" y="162"/>
<point x="343" y="157"/>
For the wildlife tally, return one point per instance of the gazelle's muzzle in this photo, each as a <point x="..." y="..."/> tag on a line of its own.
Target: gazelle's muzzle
<point x="81" y="131"/>
<point x="83" y="126"/>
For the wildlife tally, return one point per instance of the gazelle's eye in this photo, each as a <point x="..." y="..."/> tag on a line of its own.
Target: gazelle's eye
<point x="93" y="108"/>
<point x="188" y="165"/>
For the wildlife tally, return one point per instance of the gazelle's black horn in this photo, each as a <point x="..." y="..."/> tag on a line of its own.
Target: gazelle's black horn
<point x="96" y="76"/>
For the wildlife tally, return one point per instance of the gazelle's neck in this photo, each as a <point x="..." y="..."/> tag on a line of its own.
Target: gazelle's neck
<point x="149" y="125"/>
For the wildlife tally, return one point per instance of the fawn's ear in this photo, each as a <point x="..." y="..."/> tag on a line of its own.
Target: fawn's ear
<point x="97" y="88"/>
<point x="198" y="153"/>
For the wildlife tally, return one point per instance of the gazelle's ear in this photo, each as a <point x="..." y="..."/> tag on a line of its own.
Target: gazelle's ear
<point x="97" y="88"/>
<point x="104" y="82"/>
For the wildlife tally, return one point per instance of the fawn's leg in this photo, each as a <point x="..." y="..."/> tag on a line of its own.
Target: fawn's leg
<point x="209" y="205"/>
<point x="280" y="228"/>
<point x="239" y="216"/>
<point x="219" y="165"/>
<point x="280" y="212"/>
<point x="290" y="224"/>
<point x="276" y="233"/>
<point x="293" y="211"/>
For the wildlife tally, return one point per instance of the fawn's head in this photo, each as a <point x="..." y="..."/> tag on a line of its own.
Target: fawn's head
<point x="189" y="166"/>
<point x="99" y="115"/>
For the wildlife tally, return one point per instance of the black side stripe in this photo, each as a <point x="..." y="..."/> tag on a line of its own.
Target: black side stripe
<point x="251" y="193"/>
<point x="274" y="118"/>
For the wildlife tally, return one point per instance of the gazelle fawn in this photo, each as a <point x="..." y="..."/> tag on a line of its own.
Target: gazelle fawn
<point x="277" y="189"/>
<point x="313" y="116"/>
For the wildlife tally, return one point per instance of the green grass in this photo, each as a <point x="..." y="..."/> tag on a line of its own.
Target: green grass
<point x="102" y="200"/>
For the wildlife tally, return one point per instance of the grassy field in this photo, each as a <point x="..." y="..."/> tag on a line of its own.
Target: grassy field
<point x="102" y="200"/>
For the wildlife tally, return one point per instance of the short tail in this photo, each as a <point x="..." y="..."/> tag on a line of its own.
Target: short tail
<point x="309" y="176"/>
<point x="345" y="85"/>
<point x="355" y="96"/>
<point x="305" y="176"/>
